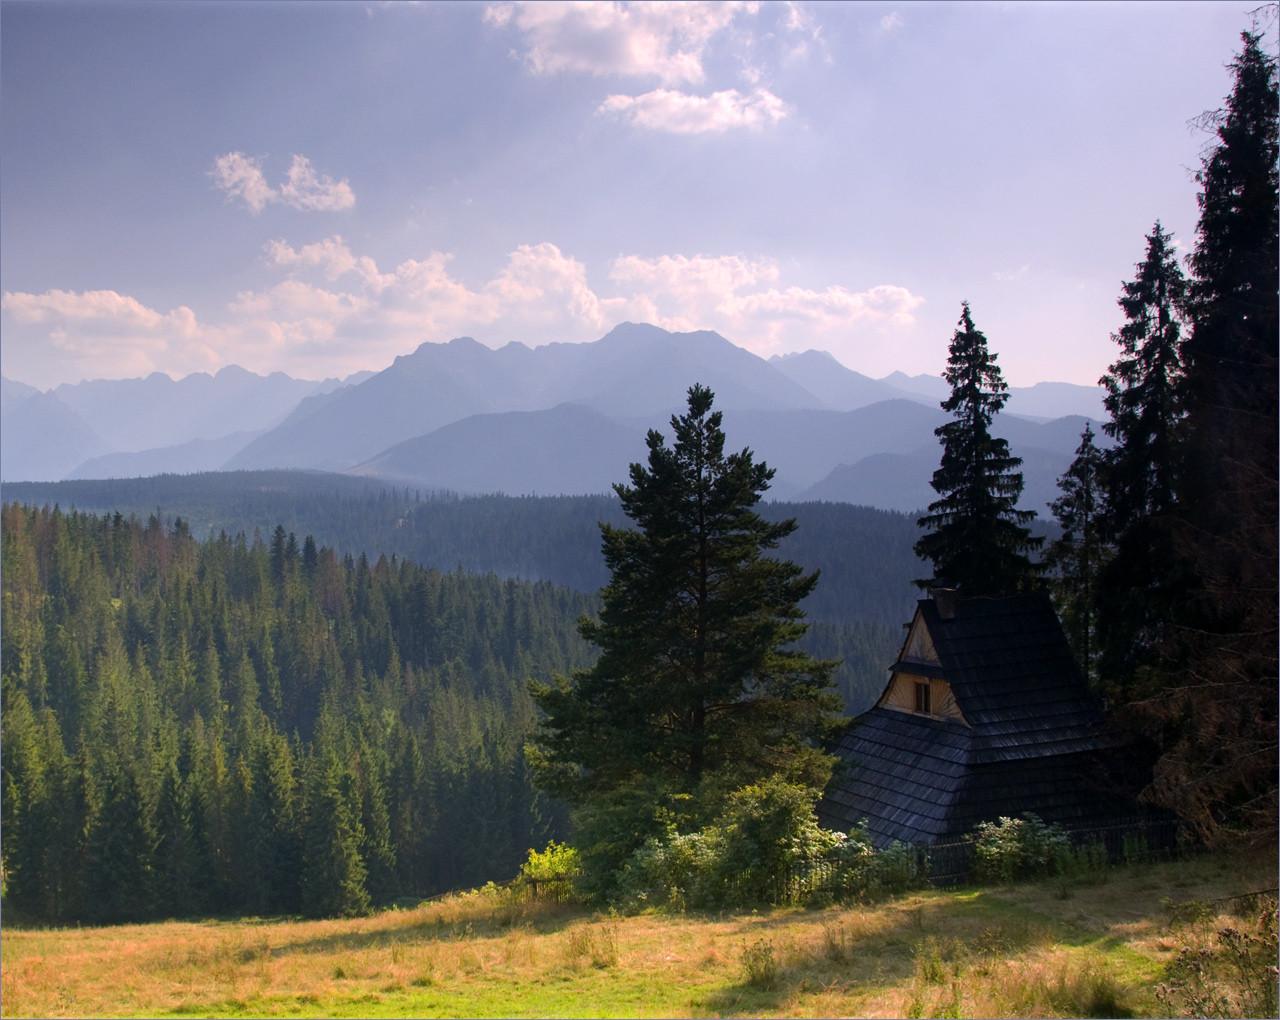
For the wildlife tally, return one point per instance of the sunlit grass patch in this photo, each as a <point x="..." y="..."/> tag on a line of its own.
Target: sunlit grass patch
<point x="1010" y="951"/>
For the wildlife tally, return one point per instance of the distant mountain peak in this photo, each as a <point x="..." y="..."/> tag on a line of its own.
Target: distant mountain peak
<point x="810" y="353"/>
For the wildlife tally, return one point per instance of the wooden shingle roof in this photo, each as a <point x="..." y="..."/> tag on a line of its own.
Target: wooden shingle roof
<point x="1028" y="726"/>
<point x="1013" y="676"/>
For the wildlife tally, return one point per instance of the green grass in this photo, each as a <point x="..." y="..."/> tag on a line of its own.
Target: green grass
<point x="1024" y="950"/>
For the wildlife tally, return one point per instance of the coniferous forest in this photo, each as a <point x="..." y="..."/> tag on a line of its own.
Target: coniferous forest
<point x="261" y="727"/>
<point x="250" y="726"/>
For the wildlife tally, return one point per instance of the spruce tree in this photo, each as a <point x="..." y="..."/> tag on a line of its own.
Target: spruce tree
<point x="977" y="539"/>
<point x="1080" y="553"/>
<point x="333" y="872"/>
<point x="1218" y="707"/>
<point x="698" y="689"/>
<point x="1141" y="471"/>
<point x="121" y="840"/>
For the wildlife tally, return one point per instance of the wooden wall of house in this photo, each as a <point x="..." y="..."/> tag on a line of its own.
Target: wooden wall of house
<point x="901" y="696"/>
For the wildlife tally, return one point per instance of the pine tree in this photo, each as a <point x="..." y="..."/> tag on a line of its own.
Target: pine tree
<point x="696" y="691"/>
<point x="1077" y="557"/>
<point x="1218" y="708"/>
<point x="977" y="540"/>
<point x="333" y="872"/>
<point x="119" y="886"/>
<point x="1141" y="472"/>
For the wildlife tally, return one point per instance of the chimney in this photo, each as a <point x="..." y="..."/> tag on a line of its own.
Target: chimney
<point x="945" y="601"/>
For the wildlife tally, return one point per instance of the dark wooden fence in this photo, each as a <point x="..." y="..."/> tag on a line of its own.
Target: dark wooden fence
<point x="1126" y="842"/>
<point x="952" y="863"/>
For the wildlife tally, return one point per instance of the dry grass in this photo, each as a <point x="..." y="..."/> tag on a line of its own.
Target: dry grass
<point x="1021" y="951"/>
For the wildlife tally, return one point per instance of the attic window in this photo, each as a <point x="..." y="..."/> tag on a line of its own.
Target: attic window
<point x="924" y="703"/>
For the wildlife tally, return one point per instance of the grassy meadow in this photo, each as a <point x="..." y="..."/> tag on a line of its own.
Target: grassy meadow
<point x="1094" y="948"/>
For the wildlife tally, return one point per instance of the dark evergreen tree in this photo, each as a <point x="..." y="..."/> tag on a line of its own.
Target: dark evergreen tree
<point x="176" y="855"/>
<point x="333" y="872"/>
<point x="121" y="839"/>
<point x="1141" y="472"/>
<point x="1217" y="711"/>
<point x="1077" y="557"/>
<point x="977" y="538"/>
<point x="698" y="689"/>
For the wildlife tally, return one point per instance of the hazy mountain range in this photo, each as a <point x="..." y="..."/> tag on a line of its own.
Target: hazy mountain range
<point x="562" y="418"/>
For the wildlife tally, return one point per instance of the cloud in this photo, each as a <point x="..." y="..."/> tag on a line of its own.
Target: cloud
<point x="539" y="294"/>
<point x="1008" y="276"/>
<point x="332" y="311"/>
<point x="307" y="190"/>
<point x="330" y="255"/>
<point x="661" y="40"/>
<point x="241" y="176"/>
<point x="683" y="114"/>
<point x="102" y="333"/>
<point x="891" y="21"/>
<point x="738" y="297"/>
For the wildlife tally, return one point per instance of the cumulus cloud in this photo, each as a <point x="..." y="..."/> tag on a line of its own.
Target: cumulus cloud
<point x="662" y="40"/>
<point x="241" y="176"/>
<point x="738" y="297"/>
<point x="332" y="256"/>
<point x="891" y="21"/>
<point x="538" y="294"/>
<point x="332" y="311"/>
<point x="102" y="333"/>
<point x="682" y="114"/>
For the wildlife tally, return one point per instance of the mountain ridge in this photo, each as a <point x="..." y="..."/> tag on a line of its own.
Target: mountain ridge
<point x="454" y="414"/>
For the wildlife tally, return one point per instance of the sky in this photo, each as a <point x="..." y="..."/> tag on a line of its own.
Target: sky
<point x="319" y="188"/>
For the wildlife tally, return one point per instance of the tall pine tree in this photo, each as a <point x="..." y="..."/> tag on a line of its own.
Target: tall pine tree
<point x="698" y="689"/>
<point x="1141" y="472"/>
<point x="1078" y="556"/>
<point x="1218" y="711"/>
<point x="977" y="537"/>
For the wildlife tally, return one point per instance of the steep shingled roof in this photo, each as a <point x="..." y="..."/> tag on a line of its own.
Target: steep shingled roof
<point x="1028" y="729"/>
<point x="1013" y="676"/>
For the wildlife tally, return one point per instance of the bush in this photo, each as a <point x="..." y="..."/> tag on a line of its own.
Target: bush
<point x="748" y="855"/>
<point x="550" y="875"/>
<point x="766" y="846"/>
<point x="1015" y="848"/>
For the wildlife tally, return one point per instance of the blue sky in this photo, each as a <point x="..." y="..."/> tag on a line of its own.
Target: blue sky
<point x="320" y="188"/>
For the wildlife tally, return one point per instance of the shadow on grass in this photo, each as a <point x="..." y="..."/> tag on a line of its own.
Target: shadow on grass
<point x="744" y="999"/>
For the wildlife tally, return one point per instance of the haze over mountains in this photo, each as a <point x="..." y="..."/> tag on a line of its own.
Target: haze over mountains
<point x="562" y="418"/>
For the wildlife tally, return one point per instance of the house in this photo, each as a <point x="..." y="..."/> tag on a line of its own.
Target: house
<point x="985" y="714"/>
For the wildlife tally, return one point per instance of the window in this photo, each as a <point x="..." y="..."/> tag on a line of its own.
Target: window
<point x="923" y="700"/>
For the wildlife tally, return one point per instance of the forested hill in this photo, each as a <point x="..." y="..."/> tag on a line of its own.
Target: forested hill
<point x="865" y="555"/>
<point x="260" y="727"/>
<point x="256" y="726"/>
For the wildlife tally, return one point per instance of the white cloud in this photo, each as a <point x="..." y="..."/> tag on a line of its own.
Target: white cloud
<point x="662" y="40"/>
<point x="335" y="312"/>
<point x="683" y="114"/>
<point x="305" y="189"/>
<point x="101" y="333"/>
<point x="802" y="23"/>
<point x="332" y="256"/>
<point x="738" y="297"/>
<point x="891" y="21"/>
<point x="1009" y="275"/>
<point x="539" y="294"/>
<point x="241" y="176"/>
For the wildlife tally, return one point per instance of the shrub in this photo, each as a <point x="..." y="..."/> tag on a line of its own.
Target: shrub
<point x="765" y="834"/>
<point x="1014" y="848"/>
<point x="550" y="875"/>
